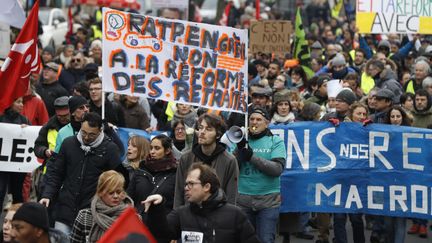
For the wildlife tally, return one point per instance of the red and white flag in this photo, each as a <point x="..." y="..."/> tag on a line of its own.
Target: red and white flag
<point x="23" y="59"/>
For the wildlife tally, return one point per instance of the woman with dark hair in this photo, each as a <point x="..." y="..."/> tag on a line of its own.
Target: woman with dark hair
<point x="155" y="175"/>
<point x="178" y="134"/>
<point x="298" y="78"/>
<point x="395" y="226"/>
<point x="13" y="180"/>
<point x="398" y="116"/>
<point x="407" y="101"/>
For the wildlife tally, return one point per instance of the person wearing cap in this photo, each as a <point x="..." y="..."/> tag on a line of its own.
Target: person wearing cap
<point x="320" y="94"/>
<point x="422" y="70"/>
<point x="337" y="67"/>
<point x="30" y="224"/>
<point x="383" y="102"/>
<point x="261" y="161"/>
<point x="49" y="88"/>
<point x="71" y="180"/>
<point x="46" y="140"/>
<point x="316" y="50"/>
<point x="78" y="107"/>
<point x="344" y="99"/>
<point x="385" y="78"/>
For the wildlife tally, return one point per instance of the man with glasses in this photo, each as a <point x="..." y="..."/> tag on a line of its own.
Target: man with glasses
<point x="207" y="218"/>
<point x="78" y="107"/>
<point x="49" y="88"/>
<point x="211" y="152"/>
<point x="74" y="72"/>
<point x="74" y="174"/>
<point x="113" y="112"/>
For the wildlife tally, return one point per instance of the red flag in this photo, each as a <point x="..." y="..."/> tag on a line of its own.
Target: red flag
<point x="127" y="228"/>
<point x="70" y="26"/>
<point x="22" y="60"/>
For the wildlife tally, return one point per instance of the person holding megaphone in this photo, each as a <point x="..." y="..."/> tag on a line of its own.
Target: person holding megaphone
<point x="261" y="161"/>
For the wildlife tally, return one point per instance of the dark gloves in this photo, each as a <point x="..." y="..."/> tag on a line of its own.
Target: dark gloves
<point x="334" y="121"/>
<point x="244" y="154"/>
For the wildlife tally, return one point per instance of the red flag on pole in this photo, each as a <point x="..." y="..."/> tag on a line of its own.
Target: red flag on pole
<point x="127" y="228"/>
<point x="23" y="59"/>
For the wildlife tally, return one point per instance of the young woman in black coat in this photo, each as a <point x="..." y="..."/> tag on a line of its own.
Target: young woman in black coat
<point x="156" y="174"/>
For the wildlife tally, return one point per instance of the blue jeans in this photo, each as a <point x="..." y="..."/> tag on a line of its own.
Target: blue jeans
<point x="63" y="227"/>
<point x="265" y="222"/>
<point x="339" y="221"/>
<point x="395" y="229"/>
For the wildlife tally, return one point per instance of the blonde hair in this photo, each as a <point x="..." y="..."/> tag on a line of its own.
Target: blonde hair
<point x="110" y="181"/>
<point x="143" y="146"/>
<point x="14" y="207"/>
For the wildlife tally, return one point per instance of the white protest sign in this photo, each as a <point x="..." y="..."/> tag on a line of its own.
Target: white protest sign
<point x="173" y="60"/>
<point x="334" y="87"/>
<point x="16" y="148"/>
<point x="391" y="16"/>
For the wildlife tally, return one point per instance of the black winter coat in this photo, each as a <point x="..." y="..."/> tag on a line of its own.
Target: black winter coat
<point x="74" y="174"/>
<point x="49" y="93"/>
<point x="216" y="219"/>
<point x="143" y="182"/>
<point x="14" y="117"/>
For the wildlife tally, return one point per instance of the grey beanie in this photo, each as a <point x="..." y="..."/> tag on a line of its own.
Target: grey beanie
<point x="384" y="43"/>
<point x="338" y="60"/>
<point x="346" y="96"/>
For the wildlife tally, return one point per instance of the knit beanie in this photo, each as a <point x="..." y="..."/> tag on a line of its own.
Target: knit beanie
<point x="282" y="95"/>
<point x="75" y="102"/>
<point x="338" y="60"/>
<point x="346" y="96"/>
<point x="384" y="43"/>
<point x="33" y="213"/>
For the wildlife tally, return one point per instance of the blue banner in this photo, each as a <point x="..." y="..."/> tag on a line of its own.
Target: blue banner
<point x="376" y="169"/>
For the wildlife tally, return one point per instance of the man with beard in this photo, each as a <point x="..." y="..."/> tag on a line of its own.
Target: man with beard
<point x="75" y="172"/>
<point x="359" y="60"/>
<point x="211" y="152"/>
<point x="274" y="70"/>
<point x="422" y="109"/>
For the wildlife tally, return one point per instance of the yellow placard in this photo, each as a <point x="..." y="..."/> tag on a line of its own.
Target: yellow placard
<point x="425" y="25"/>
<point x="364" y="21"/>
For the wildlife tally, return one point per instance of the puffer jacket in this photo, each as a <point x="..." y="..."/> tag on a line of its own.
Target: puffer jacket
<point x="215" y="219"/>
<point x="74" y="174"/>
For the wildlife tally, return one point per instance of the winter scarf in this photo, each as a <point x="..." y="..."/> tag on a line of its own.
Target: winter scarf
<point x="104" y="216"/>
<point x="156" y="165"/>
<point x="277" y="119"/>
<point x="87" y="148"/>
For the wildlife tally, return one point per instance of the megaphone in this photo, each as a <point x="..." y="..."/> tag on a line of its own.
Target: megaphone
<point x="234" y="135"/>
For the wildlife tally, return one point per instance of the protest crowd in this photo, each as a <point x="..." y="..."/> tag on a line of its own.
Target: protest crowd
<point x="185" y="181"/>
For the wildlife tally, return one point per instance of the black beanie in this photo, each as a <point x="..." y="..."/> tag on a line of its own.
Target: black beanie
<point x="75" y="102"/>
<point x="33" y="213"/>
<point x="262" y="111"/>
<point x="347" y="96"/>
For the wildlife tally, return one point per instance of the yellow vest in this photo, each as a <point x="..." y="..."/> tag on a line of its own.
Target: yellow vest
<point x="367" y="83"/>
<point x="410" y="87"/>
<point x="97" y="34"/>
<point x="52" y="138"/>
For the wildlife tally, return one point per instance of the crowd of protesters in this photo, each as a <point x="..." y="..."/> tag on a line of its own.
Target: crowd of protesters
<point x="190" y="175"/>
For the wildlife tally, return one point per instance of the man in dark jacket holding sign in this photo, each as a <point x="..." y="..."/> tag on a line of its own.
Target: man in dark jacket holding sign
<point x="75" y="172"/>
<point x="208" y="217"/>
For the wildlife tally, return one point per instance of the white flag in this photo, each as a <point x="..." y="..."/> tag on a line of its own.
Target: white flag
<point x="12" y="13"/>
